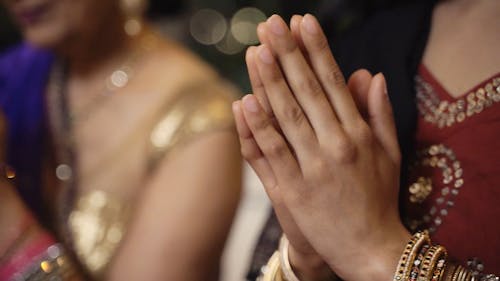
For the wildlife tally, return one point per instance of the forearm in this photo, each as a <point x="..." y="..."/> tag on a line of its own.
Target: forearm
<point x="376" y="260"/>
<point x="419" y="260"/>
<point x="310" y="267"/>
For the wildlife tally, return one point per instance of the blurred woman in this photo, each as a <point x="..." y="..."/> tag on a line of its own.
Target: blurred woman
<point x="121" y="158"/>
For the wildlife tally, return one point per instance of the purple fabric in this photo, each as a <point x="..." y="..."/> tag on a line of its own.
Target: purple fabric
<point x="24" y="72"/>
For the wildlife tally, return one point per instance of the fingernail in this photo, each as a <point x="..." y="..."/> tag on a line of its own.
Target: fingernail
<point x="250" y="103"/>
<point x="296" y="19"/>
<point x="236" y="106"/>
<point x="250" y="51"/>
<point x="265" y="55"/>
<point x="277" y="25"/>
<point x="383" y="86"/>
<point x="261" y="32"/>
<point x="310" y="24"/>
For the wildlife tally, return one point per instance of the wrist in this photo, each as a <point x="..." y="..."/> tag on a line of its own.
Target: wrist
<point x="309" y="267"/>
<point x="381" y="260"/>
<point x="375" y="257"/>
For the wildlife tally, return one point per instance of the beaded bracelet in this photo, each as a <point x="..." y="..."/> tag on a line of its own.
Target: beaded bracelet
<point x="439" y="270"/>
<point x="406" y="261"/>
<point x="416" y="264"/>
<point x="41" y="259"/>
<point x="25" y="256"/>
<point x="433" y="255"/>
<point x="53" y="264"/>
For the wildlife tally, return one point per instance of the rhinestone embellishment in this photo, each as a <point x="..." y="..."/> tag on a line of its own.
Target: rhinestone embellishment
<point x="444" y="113"/>
<point x="443" y="158"/>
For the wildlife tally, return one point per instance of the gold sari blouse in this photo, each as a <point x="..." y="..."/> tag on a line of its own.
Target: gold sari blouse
<point x="98" y="220"/>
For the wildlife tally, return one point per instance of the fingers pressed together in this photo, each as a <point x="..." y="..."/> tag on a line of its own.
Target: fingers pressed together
<point x="301" y="101"/>
<point x="325" y="150"/>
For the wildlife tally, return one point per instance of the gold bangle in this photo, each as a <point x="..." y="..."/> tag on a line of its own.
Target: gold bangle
<point x="449" y="272"/>
<point x="286" y="267"/>
<point x="439" y="270"/>
<point x="458" y="272"/>
<point x="407" y="258"/>
<point x="462" y="274"/>
<point x="434" y="254"/>
<point x="467" y="275"/>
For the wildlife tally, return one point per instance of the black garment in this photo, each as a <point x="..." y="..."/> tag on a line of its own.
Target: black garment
<point x="391" y="42"/>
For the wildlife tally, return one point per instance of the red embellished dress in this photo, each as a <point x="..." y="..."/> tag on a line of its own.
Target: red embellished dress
<point x="454" y="190"/>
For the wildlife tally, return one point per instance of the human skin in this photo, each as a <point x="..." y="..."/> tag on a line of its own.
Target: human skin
<point x="338" y="189"/>
<point x="461" y="51"/>
<point x="183" y="211"/>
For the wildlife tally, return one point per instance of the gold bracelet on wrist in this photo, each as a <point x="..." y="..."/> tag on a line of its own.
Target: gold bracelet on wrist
<point x="433" y="255"/>
<point x="449" y="272"/>
<point x="433" y="265"/>
<point x="462" y="274"/>
<point x="410" y="252"/>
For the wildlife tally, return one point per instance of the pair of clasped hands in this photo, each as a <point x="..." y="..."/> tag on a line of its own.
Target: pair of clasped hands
<point x="326" y="152"/>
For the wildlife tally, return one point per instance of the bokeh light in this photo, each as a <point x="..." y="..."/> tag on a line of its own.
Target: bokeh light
<point x="244" y="25"/>
<point x="208" y="26"/>
<point x="229" y="45"/>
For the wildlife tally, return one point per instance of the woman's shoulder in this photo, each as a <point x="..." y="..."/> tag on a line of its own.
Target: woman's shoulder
<point x="177" y="71"/>
<point x="199" y="100"/>
<point x="190" y="80"/>
<point x="182" y="63"/>
<point x="197" y="109"/>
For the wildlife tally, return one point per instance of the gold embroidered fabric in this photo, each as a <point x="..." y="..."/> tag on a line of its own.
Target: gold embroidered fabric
<point x="443" y="158"/>
<point x="199" y="109"/>
<point x="444" y="113"/>
<point x="97" y="225"/>
<point x="98" y="221"/>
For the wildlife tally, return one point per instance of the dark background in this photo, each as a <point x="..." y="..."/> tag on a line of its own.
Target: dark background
<point x="173" y="17"/>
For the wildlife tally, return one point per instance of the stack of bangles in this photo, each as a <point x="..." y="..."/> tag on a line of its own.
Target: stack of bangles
<point x="39" y="258"/>
<point x="420" y="261"/>
<point x="32" y="254"/>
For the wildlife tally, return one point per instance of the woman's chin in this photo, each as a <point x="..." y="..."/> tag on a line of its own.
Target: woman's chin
<point x="43" y="37"/>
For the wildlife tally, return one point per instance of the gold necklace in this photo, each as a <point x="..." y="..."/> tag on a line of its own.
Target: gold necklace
<point x="117" y="80"/>
<point x="62" y="126"/>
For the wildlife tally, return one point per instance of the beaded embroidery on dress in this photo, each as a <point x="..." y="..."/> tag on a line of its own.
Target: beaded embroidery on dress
<point x="447" y="176"/>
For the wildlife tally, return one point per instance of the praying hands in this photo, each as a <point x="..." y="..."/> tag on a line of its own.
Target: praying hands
<point x="326" y="152"/>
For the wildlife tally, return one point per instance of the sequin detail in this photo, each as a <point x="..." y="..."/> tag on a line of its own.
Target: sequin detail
<point x="97" y="224"/>
<point x="443" y="158"/>
<point x="445" y="113"/>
